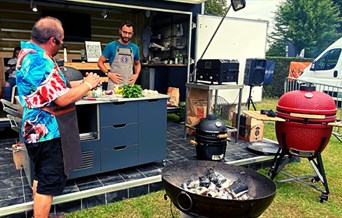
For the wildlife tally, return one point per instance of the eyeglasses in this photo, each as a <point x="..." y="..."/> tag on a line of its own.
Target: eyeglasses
<point x="57" y="41"/>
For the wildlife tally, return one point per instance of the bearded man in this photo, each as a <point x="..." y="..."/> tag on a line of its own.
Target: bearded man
<point x="124" y="58"/>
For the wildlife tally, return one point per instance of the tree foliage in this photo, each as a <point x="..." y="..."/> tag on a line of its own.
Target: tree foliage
<point x="277" y="48"/>
<point x="339" y="3"/>
<point x="215" y="7"/>
<point x="309" y="24"/>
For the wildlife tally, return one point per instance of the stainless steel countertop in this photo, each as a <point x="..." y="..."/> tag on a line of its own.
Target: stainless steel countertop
<point x="114" y="98"/>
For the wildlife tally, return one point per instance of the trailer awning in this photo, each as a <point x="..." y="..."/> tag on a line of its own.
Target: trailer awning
<point x="135" y="5"/>
<point x="195" y="2"/>
<point x="187" y="1"/>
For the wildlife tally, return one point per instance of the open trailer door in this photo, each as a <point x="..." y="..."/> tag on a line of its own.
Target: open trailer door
<point x="236" y="38"/>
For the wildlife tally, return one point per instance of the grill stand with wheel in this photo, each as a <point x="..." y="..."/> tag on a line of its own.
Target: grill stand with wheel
<point x="280" y="161"/>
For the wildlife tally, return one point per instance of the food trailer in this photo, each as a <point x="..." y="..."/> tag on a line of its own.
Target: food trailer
<point x="171" y="35"/>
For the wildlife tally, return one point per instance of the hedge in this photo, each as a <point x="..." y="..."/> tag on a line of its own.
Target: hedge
<point x="281" y="71"/>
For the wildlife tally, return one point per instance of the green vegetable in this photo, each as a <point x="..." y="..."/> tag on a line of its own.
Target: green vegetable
<point x="132" y="91"/>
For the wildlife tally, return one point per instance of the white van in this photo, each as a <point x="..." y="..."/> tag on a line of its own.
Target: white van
<point x="326" y="68"/>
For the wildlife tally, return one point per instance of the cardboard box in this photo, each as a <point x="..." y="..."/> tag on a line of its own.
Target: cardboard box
<point x="196" y="108"/>
<point x="250" y="129"/>
<point x="18" y="155"/>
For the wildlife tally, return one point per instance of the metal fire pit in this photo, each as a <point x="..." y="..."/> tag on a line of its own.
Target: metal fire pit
<point x="305" y="132"/>
<point x="261" y="189"/>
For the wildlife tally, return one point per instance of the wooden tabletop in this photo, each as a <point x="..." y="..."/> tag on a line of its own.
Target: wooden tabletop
<point x="336" y="124"/>
<point x="263" y="117"/>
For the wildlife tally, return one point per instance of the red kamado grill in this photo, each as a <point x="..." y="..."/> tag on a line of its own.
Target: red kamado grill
<point x="305" y="132"/>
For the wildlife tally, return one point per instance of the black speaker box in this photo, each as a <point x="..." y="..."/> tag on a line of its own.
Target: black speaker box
<point x="255" y="72"/>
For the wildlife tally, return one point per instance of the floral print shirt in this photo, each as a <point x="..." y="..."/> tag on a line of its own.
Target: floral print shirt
<point x="39" y="83"/>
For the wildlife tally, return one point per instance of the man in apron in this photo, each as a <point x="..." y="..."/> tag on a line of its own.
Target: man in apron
<point x="124" y="59"/>
<point x="49" y="127"/>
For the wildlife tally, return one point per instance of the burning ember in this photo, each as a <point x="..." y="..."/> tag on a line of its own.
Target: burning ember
<point x="215" y="185"/>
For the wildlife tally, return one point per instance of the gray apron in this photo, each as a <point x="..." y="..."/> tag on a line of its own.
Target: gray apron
<point x="122" y="64"/>
<point x="68" y="128"/>
<point x="71" y="146"/>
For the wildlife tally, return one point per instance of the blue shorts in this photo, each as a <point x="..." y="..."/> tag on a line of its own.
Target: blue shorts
<point x="48" y="166"/>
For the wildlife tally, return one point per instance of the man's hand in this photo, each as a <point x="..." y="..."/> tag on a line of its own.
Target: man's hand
<point x="93" y="79"/>
<point x="133" y="79"/>
<point x="115" y="77"/>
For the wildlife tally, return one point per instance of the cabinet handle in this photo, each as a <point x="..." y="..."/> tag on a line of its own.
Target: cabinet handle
<point x="119" y="125"/>
<point x="119" y="103"/>
<point x="120" y="148"/>
<point x="152" y="100"/>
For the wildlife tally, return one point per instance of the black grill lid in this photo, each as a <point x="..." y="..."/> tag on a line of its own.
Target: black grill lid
<point x="211" y="124"/>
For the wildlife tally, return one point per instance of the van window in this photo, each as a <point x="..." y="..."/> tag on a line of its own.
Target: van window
<point x="328" y="60"/>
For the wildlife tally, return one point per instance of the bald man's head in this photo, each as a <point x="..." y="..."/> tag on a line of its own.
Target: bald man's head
<point x="45" y="28"/>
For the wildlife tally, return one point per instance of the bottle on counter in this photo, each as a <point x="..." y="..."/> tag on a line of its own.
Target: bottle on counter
<point x="83" y="55"/>
<point x="97" y="92"/>
<point x="180" y="59"/>
<point x="176" y="59"/>
<point x="65" y="55"/>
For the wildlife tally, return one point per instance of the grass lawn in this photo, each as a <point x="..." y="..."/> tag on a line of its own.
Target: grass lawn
<point x="293" y="199"/>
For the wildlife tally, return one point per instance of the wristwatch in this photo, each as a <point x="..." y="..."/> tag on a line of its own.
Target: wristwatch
<point x="107" y="72"/>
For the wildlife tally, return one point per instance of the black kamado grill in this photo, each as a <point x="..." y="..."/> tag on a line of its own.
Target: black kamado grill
<point x="305" y="132"/>
<point x="211" y="139"/>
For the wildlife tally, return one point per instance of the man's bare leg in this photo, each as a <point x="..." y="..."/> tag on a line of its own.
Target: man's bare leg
<point x="42" y="205"/>
<point x="34" y="188"/>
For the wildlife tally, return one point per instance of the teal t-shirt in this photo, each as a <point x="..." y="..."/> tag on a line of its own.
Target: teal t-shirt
<point x="110" y="50"/>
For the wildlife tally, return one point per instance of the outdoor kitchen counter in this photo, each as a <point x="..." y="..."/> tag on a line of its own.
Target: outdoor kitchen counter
<point x="121" y="132"/>
<point x="118" y="133"/>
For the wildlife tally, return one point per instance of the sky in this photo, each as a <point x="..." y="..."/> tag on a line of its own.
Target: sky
<point x="258" y="9"/>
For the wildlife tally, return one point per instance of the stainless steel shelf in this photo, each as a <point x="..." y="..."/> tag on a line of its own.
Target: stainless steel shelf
<point x="210" y="87"/>
<point x="88" y="136"/>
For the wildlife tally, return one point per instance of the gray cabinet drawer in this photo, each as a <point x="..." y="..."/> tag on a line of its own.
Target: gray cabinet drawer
<point x="119" y="157"/>
<point x="118" y="135"/>
<point x="118" y="113"/>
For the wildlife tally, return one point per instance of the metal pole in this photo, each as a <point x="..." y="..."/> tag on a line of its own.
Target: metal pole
<point x="211" y="39"/>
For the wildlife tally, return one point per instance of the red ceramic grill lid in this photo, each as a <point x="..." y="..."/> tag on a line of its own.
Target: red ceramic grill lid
<point x="307" y="101"/>
<point x="302" y="136"/>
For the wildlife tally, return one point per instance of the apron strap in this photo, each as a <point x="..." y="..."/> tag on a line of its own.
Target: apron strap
<point x="54" y="110"/>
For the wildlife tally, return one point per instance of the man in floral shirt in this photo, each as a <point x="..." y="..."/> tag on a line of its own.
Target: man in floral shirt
<point x="49" y="126"/>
